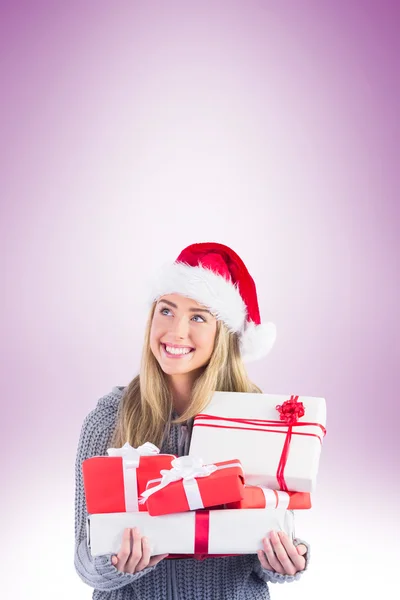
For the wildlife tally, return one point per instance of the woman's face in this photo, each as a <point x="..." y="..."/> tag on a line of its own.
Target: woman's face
<point x="182" y="334"/>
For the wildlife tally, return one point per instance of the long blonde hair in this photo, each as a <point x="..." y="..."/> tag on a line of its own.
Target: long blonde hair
<point x="146" y="405"/>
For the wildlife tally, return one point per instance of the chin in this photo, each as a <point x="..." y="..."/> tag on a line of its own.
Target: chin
<point x="171" y="370"/>
<point x="178" y="370"/>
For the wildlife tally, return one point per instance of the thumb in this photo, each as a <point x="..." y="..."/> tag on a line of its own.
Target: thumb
<point x="114" y="560"/>
<point x="301" y="549"/>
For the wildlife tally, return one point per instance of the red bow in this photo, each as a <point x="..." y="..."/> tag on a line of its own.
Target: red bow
<point x="291" y="410"/>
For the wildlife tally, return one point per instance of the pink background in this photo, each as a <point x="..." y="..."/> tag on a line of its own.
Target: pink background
<point x="131" y="129"/>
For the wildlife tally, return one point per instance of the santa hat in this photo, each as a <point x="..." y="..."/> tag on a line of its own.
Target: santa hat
<point x="215" y="276"/>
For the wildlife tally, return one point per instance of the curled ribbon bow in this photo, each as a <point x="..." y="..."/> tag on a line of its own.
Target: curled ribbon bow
<point x="187" y="468"/>
<point x="291" y="410"/>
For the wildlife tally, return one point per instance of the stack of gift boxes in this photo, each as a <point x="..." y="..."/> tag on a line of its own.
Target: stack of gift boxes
<point x="253" y="460"/>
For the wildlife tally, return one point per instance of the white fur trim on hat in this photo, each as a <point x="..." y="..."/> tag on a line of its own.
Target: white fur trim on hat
<point x="215" y="292"/>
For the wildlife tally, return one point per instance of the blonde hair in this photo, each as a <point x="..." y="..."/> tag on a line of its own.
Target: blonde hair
<point x="146" y="405"/>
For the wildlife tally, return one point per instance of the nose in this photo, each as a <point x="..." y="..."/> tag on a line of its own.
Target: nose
<point x="181" y="327"/>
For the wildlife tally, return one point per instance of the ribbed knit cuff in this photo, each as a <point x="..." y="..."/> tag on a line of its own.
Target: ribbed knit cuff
<point x="99" y="573"/>
<point x="105" y="568"/>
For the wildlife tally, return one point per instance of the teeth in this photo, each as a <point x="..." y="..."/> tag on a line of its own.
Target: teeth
<point x="177" y="350"/>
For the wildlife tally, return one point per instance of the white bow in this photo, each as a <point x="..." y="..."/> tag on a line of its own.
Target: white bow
<point x="132" y="455"/>
<point x="187" y="468"/>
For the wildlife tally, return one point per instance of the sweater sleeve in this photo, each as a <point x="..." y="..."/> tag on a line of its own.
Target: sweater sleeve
<point x="273" y="577"/>
<point x="98" y="572"/>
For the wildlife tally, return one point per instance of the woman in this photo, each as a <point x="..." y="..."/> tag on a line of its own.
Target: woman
<point x="203" y="324"/>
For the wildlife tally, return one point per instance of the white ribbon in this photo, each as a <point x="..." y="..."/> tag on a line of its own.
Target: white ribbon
<point x="276" y="498"/>
<point x="187" y="468"/>
<point x="130" y="462"/>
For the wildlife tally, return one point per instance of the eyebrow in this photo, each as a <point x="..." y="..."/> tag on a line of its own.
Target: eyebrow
<point x="190" y="309"/>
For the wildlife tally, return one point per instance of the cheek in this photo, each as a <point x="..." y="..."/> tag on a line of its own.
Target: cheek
<point x="206" y="339"/>
<point x="155" y="334"/>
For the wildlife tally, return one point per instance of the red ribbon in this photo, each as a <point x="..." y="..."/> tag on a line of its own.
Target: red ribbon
<point x="290" y="411"/>
<point x="201" y="538"/>
<point x="262" y="424"/>
<point x="201" y="531"/>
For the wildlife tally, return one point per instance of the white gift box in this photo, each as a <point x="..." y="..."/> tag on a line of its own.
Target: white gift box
<point x="229" y="531"/>
<point x="248" y="426"/>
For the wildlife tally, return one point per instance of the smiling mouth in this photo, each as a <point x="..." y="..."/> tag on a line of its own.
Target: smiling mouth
<point x="176" y="352"/>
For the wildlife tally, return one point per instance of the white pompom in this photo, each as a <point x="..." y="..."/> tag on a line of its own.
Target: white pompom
<point x="257" y="341"/>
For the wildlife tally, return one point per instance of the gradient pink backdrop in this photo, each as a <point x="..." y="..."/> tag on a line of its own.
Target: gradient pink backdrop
<point x="131" y="129"/>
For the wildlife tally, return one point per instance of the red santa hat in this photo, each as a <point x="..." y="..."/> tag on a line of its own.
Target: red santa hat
<point x="215" y="276"/>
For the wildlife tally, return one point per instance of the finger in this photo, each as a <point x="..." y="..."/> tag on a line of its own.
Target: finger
<point x="297" y="560"/>
<point x="263" y="560"/>
<point x="273" y="561"/>
<point x="144" y="561"/>
<point x="301" y="549"/>
<point x="114" y="560"/>
<point x="281" y="554"/>
<point x="136" y="552"/>
<point x="156" y="559"/>
<point x="125" y="550"/>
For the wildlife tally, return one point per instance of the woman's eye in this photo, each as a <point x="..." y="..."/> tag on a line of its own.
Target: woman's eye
<point x="162" y="311"/>
<point x="199" y="317"/>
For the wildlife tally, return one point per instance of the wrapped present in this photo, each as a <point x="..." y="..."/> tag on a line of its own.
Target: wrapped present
<point x="193" y="533"/>
<point x="191" y="485"/>
<point x="114" y="483"/>
<point x="277" y="439"/>
<point x="261" y="497"/>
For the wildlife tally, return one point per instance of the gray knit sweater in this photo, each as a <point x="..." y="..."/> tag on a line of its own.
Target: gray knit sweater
<point x="230" y="578"/>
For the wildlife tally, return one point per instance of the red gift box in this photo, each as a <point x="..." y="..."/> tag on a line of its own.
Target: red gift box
<point x="190" y="485"/>
<point x="260" y="497"/>
<point x="114" y="483"/>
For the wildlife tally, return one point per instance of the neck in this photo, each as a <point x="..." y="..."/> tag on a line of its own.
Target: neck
<point x="181" y="387"/>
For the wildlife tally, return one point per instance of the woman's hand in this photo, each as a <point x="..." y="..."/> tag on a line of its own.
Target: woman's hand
<point x="134" y="554"/>
<point x="281" y="555"/>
